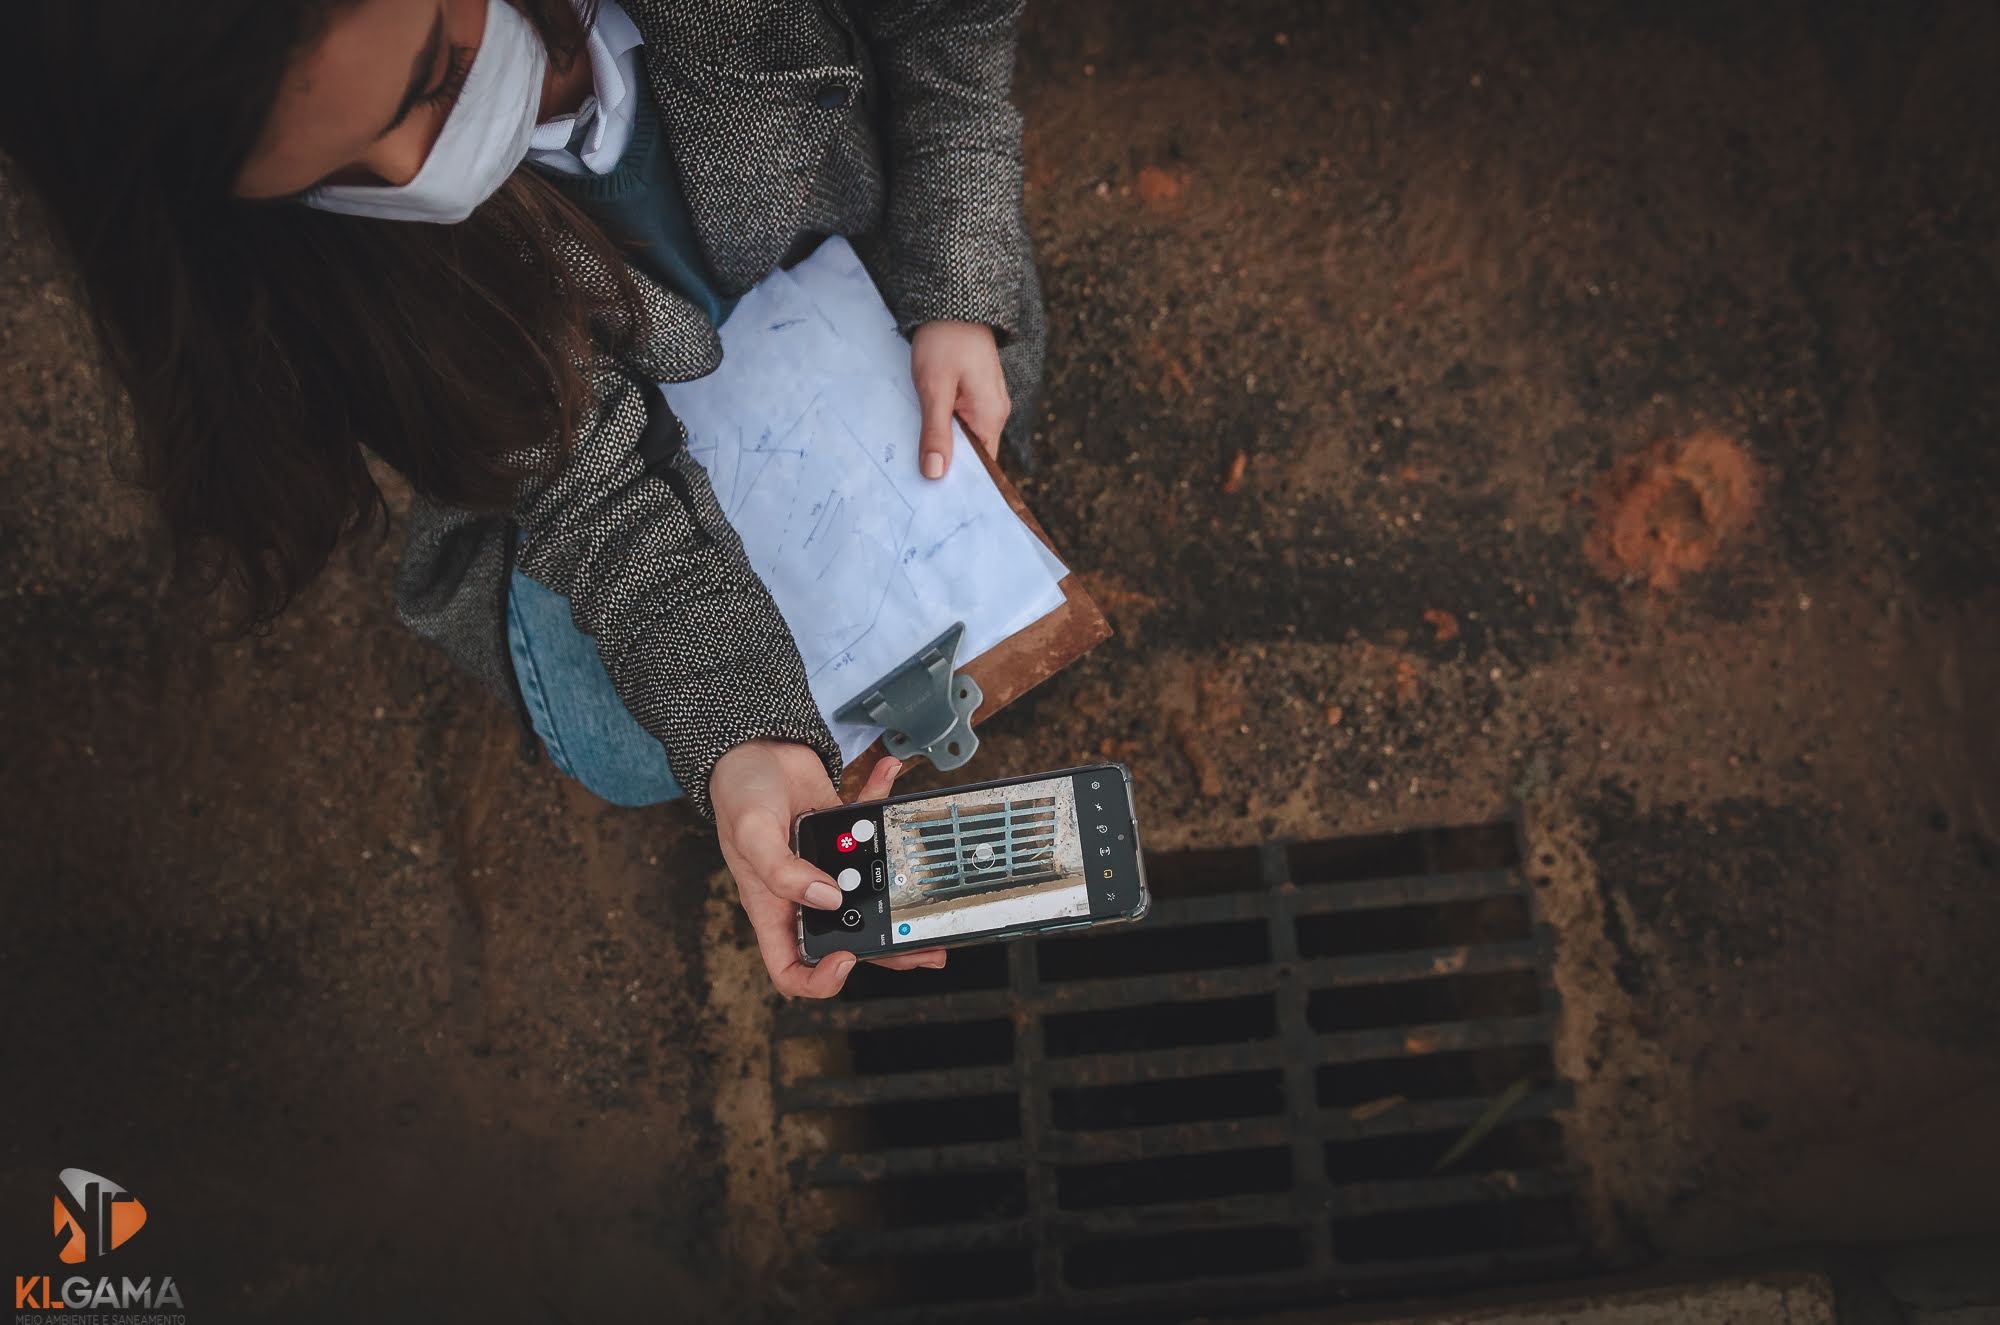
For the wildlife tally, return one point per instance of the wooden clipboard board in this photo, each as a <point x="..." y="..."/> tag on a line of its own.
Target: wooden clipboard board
<point x="1028" y="657"/>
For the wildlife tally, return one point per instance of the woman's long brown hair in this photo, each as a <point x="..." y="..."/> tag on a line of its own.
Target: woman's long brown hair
<point x="264" y="345"/>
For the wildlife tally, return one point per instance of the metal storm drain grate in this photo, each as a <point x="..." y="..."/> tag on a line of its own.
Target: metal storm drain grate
<point x="1319" y="1072"/>
<point x="961" y="851"/>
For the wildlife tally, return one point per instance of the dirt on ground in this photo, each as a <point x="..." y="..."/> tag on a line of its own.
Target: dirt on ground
<point x="1459" y="410"/>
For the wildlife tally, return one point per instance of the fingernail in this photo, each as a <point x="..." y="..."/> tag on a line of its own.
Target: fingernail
<point x="892" y="765"/>
<point x="934" y="465"/>
<point x="822" y="895"/>
<point x="936" y="965"/>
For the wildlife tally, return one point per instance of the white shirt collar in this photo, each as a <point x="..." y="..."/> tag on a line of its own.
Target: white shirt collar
<point x="611" y="109"/>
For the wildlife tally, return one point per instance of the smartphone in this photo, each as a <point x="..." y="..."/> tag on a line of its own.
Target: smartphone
<point x="934" y="869"/>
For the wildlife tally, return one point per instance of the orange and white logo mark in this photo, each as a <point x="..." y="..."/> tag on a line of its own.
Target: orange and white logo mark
<point x="94" y="1215"/>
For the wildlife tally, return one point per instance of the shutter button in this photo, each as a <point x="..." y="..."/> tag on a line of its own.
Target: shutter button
<point x="832" y="96"/>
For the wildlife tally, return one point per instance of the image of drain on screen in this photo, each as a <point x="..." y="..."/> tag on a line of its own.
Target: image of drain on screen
<point x="985" y="860"/>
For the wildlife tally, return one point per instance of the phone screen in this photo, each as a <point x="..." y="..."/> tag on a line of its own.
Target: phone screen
<point x="973" y="862"/>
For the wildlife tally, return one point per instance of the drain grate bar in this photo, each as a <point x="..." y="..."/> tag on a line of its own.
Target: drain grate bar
<point x="1109" y="1070"/>
<point x="1376" y="1198"/>
<point x="1313" y="899"/>
<point x="877" y="1244"/>
<point x="1360" y="895"/>
<point x="912" y="1162"/>
<point x="1243" y="1101"/>
<point x="1295" y="1032"/>
<point x="1411" y="1116"/>
<point x="860" y="1246"/>
<point x="1426" y="890"/>
<point x="1387" y="968"/>
<point x="1162" y="1064"/>
<point x="1265" y="1292"/>
<point x="1406" y="1118"/>
<point x="801" y="1019"/>
<point x="1445" y="1037"/>
<point x="1165" y="1142"/>
<point x="1148" y="990"/>
<point x="856" y="1246"/>
<point x="1401" y="967"/>
<point x="1086" y="995"/>
<point x="1178" y="1215"/>
<point x="854" y="1092"/>
<point x="1038" y="1130"/>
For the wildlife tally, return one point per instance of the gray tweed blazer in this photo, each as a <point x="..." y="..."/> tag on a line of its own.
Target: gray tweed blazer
<point x="888" y="121"/>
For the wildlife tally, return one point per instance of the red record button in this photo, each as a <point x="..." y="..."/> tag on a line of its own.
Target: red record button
<point x="846" y="842"/>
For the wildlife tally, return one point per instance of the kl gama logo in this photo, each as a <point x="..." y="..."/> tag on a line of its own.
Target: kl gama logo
<point x="94" y="1216"/>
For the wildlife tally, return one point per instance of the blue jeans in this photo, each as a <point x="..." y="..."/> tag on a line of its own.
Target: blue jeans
<point x="585" y="727"/>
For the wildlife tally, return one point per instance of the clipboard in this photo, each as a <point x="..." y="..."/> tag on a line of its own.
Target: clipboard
<point x="1029" y="656"/>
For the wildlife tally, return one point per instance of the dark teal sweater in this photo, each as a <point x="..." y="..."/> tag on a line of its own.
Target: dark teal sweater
<point x="639" y="204"/>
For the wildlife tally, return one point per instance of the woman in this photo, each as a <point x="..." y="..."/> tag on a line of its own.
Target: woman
<point x="470" y="236"/>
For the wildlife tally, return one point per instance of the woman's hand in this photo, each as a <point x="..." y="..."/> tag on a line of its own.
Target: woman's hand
<point x="757" y="789"/>
<point x="956" y="366"/>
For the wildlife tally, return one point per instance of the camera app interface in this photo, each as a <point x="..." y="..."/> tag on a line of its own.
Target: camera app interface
<point x="979" y="861"/>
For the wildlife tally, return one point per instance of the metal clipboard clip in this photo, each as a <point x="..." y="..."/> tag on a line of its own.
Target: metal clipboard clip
<point x="925" y="705"/>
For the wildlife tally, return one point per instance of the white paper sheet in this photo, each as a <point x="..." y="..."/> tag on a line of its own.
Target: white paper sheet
<point x="808" y="431"/>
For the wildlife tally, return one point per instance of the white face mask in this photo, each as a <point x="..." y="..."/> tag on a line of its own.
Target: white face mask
<point x="484" y="137"/>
